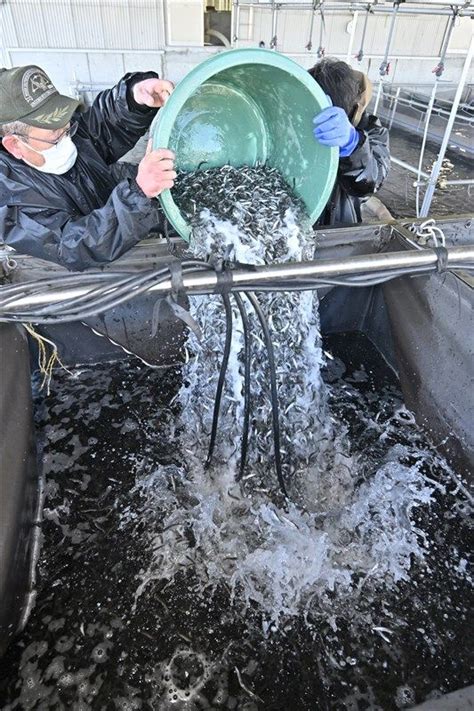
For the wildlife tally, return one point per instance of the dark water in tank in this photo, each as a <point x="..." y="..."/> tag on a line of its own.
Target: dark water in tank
<point x="91" y="643"/>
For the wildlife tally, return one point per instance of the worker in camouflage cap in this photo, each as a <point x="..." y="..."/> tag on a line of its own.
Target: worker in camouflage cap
<point x="27" y="94"/>
<point x="63" y="196"/>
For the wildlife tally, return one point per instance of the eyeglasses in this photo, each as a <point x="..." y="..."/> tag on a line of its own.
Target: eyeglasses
<point x="68" y="132"/>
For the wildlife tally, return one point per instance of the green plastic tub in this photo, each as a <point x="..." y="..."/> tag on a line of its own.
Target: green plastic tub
<point x="242" y="107"/>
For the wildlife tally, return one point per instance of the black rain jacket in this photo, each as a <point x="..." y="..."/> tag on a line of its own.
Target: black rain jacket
<point x="359" y="175"/>
<point x="95" y="212"/>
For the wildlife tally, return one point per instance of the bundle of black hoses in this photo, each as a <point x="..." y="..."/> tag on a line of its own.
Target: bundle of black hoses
<point x="110" y="289"/>
<point x="247" y="368"/>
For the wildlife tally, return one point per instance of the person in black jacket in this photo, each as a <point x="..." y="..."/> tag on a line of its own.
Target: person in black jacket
<point x="364" y="156"/>
<point x="63" y="196"/>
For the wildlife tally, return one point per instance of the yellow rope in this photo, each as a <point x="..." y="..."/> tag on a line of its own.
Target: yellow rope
<point x="46" y="363"/>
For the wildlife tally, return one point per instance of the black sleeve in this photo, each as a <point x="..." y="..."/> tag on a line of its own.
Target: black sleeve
<point x="89" y="241"/>
<point x="115" y="122"/>
<point x="364" y="171"/>
<point x="123" y="171"/>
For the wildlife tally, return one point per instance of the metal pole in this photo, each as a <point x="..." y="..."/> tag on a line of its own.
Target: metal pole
<point x="205" y="282"/>
<point x="458" y="182"/>
<point x="385" y="66"/>
<point x="360" y="53"/>
<point x="438" y="73"/>
<point x="394" y="107"/>
<point x="352" y="35"/>
<point x="274" y="39"/>
<point x="428" y="197"/>
<point x="236" y="16"/>
<point x="464" y="10"/>
<point x="309" y="46"/>
<point x="408" y="167"/>
<point x="446" y="182"/>
<point x="322" y="30"/>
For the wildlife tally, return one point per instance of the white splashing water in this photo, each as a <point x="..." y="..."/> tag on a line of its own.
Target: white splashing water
<point x="337" y="528"/>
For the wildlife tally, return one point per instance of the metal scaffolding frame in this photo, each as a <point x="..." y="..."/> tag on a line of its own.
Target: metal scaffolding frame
<point x="452" y="10"/>
<point x="465" y="8"/>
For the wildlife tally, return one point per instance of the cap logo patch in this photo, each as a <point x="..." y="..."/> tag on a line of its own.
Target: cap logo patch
<point x="36" y="87"/>
<point x="55" y="116"/>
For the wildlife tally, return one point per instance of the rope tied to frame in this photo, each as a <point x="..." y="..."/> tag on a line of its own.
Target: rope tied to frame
<point x="46" y="362"/>
<point x="429" y="230"/>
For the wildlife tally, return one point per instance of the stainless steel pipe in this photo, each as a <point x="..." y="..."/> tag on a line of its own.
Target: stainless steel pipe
<point x="251" y="278"/>
<point x="444" y="9"/>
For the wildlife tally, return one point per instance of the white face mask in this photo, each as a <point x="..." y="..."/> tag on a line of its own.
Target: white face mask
<point x="58" y="159"/>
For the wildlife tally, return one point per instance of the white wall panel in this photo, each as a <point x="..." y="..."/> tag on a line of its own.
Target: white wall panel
<point x="462" y="34"/>
<point x="184" y="22"/>
<point x="59" y="23"/>
<point x="8" y="34"/>
<point x="246" y="26"/>
<point x="177" y="63"/>
<point x="106" y="68"/>
<point x="64" y="68"/>
<point x="337" y="38"/>
<point x="117" y="25"/>
<point x="147" y="24"/>
<point x="414" y="35"/>
<point x="88" y="24"/>
<point x="262" y="21"/>
<point x="293" y="29"/>
<point x="144" y="62"/>
<point x="29" y="23"/>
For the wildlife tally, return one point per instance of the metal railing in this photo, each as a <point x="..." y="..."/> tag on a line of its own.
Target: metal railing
<point x="454" y="112"/>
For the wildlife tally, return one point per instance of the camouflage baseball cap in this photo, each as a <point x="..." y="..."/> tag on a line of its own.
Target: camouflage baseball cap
<point x="27" y="94"/>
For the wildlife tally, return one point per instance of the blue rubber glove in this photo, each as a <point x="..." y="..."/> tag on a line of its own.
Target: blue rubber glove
<point x="333" y="128"/>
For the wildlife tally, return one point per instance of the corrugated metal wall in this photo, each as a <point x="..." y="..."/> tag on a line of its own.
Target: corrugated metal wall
<point x="95" y="41"/>
<point x="86" y="24"/>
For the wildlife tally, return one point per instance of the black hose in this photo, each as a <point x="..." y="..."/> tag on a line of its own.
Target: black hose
<point x="102" y="293"/>
<point x="93" y="310"/>
<point x="18" y="290"/>
<point x="114" y="297"/>
<point x="102" y="296"/>
<point x="105" y="305"/>
<point x="246" y="423"/>
<point x="273" y="388"/>
<point x="221" y="381"/>
<point x="125" y="286"/>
